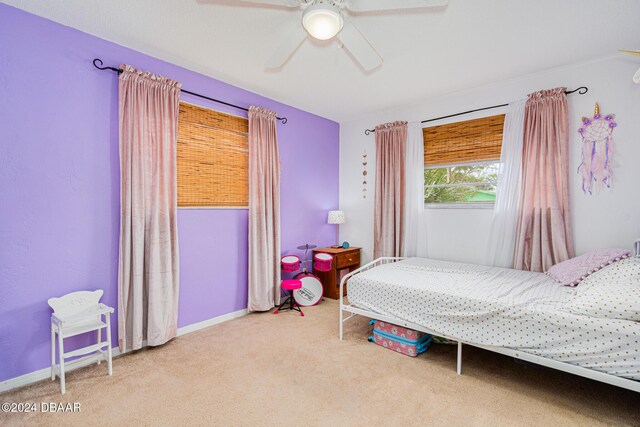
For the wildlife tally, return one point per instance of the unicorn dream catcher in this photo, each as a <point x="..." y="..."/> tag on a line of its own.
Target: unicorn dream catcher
<point x="597" y="150"/>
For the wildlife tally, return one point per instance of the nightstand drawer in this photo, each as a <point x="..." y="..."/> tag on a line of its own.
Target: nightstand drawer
<point x="348" y="259"/>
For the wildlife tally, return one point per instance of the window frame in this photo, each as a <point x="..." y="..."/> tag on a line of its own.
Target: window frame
<point x="460" y="205"/>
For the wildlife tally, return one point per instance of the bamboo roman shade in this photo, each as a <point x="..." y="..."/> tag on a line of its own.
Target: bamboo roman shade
<point x="212" y="157"/>
<point x="463" y="142"/>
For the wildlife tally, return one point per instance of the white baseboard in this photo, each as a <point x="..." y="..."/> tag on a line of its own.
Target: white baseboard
<point x="210" y="322"/>
<point x="44" y="373"/>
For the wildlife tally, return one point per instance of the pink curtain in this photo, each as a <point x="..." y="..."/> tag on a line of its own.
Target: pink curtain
<point x="543" y="236"/>
<point x="264" y="211"/>
<point x="148" y="267"/>
<point x="391" y="146"/>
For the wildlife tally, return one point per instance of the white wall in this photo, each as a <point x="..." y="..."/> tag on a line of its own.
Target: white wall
<point x="611" y="218"/>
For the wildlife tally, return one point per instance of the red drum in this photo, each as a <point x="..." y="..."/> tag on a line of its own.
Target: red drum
<point x="311" y="291"/>
<point x="290" y="263"/>
<point x="322" y="262"/>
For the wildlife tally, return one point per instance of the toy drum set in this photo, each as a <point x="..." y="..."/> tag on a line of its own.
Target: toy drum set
<point x="309" y="290"/>
<point x="322" y="262"/>
<point x="290" y="263"/>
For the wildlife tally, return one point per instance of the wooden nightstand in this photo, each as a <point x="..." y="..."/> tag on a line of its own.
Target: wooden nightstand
<point x="345" y="260"/>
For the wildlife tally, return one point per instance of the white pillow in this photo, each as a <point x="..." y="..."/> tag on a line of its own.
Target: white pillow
<point x="611" y="293"/>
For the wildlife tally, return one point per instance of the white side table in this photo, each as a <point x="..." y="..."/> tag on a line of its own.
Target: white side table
<point x="74" y="314"/>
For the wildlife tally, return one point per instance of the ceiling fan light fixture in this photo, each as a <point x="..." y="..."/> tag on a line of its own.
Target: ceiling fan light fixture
<point x="322" y="21"/>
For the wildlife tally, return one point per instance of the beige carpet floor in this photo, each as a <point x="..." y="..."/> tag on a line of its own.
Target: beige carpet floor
<point x="266" y="369"/>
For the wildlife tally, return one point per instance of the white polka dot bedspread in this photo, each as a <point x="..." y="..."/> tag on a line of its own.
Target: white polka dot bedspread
<point x="590" y="325"/>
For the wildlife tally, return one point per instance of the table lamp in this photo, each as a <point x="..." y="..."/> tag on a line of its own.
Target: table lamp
<point x="337" y="218"/>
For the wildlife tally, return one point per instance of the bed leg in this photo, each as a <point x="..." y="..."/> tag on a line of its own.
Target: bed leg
<point x="459" y="368"/>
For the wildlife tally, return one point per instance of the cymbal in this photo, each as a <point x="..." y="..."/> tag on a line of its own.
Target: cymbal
<point x="307" y="246"/>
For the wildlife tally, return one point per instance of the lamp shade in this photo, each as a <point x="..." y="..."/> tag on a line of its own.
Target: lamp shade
<point x="336" y="217"/>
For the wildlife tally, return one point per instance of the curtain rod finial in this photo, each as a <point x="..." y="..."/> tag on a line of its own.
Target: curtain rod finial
<point x="97" y="62"/>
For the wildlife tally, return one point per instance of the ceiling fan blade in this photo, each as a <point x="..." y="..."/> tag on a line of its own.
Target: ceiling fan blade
<point x="283" y="3"/>
<point x="376" y="5"/>
<point x="359" y="46"/>
<point x="293" y="40"/>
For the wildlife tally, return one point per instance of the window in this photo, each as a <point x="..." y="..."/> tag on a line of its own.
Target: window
<point x="473" y="183"/>
<point x="461" y="162"/>
<point x="212" y="158"/>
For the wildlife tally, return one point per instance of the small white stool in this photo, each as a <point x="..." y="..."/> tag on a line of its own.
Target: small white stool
<point x="74" y="314"/>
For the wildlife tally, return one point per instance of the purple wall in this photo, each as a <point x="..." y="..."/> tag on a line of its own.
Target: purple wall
<point x="59" y="185"/>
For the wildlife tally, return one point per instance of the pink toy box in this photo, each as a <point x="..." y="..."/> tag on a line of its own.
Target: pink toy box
<point x="402" y="340"/>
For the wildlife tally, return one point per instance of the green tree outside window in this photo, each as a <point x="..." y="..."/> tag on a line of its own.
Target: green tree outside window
<point x="475" y="183"/>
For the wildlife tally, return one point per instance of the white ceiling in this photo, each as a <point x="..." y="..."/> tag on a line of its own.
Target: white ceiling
<point x="469" y="43"/>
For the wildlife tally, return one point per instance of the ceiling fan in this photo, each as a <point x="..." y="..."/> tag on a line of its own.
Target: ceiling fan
<point x="326" y="19"/>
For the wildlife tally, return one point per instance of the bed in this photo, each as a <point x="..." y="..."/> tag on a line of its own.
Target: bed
<point x="521" y="314"/>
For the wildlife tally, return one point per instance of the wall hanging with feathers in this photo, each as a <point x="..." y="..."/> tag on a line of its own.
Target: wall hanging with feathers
<point x="597" y="150"/>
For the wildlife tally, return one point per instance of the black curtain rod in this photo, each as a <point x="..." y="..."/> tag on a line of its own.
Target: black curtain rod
<point x="118" y="70"/>
<point x="581" y="90"/>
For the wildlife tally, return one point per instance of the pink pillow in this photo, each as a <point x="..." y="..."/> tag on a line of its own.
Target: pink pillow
<point x="572" y="271"/>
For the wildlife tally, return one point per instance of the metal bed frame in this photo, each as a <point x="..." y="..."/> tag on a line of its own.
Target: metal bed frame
<point x="532" y="358"/>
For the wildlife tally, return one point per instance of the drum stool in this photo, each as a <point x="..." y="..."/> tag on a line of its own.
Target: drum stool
<point x="290" y="285"/>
